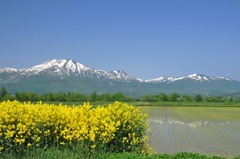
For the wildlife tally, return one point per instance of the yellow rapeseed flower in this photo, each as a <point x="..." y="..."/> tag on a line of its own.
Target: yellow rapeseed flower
<point x="21" y="122"/>
<point x="93" y="146"/>
<point x="29" y="145"/>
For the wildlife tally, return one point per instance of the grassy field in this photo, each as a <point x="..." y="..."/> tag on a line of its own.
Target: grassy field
<point x="188" y="104"/>
<point x="204" y="130"/>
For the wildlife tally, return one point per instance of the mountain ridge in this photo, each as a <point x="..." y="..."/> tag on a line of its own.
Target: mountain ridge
<point x="194" y="76"/>
<point x="69" y="75"/>
<point x="66" y="67"/>
<point x="71" y="66"/>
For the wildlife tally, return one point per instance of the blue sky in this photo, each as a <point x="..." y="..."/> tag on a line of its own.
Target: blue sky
<point x="145" y="38"/>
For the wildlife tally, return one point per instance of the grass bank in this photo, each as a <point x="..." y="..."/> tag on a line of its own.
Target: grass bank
<point x="55" y="153"/>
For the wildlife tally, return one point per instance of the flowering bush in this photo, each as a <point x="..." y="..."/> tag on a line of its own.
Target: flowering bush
<point x="117" y="127"/>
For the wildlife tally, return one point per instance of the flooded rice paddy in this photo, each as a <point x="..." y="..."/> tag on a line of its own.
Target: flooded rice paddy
<point x="205" y="130"/>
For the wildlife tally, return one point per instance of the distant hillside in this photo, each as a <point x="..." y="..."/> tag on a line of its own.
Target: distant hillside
<point x="68" y="75"/>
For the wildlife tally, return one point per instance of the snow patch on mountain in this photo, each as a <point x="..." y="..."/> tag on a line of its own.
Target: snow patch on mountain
<point x="225" y="78"/>
<point x="195" y="76"/>
<point x="119" y="74"/>
<point x="68" y="67"/>
<point x="198" y="77"/>
<point x="8" y="70"/>
<point x="61" y="66"/>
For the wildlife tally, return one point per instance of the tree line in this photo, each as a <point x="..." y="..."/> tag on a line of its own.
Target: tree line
<point x="109" y="97"/>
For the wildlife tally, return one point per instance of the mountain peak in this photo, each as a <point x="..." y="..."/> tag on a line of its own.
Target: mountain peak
<point x="69" y="67"/>
<point x="119" y="72"/>
<point x="194" y="76"/>
<point x="69" y="75"/>
<point x="198" y="77"/>
<point x="65" y="65"/>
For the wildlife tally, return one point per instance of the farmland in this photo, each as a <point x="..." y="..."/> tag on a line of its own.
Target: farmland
<point x="204" y="130"/>
<point x="32" y="130"/>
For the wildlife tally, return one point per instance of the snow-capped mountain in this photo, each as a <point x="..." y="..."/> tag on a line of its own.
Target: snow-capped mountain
<point x="67" y="75"/>
<point x="195" y="76"/>
<point x="61" y="67"/>
<point x="120" y="74"/>
<point x="67" y="67"/>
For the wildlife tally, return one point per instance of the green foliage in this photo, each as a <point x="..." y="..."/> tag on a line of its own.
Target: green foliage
<point x="111" y="97"/>
<point x="26" y="96"/>
<point x="3" y="91"/>
<point x="118" y="127"/>
<point x="174" y="97"/>
<point x="79" y="153"/>
<point x="182" y="155"/>
<point x="93" y="97"/>
<point x="216" y="99"/>
<point x="198" y="98"/>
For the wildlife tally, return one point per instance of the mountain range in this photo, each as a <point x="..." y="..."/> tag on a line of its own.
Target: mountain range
<point x="67" y="75"/>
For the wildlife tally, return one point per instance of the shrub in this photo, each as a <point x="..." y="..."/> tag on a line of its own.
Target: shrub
<point x="117" y="127"/>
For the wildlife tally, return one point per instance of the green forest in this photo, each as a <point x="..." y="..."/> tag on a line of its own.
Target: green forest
<point x="110" y="97"/>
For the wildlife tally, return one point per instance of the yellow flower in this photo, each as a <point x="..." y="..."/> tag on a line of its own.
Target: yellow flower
<point x="9" y="134"/>
<point x="1" y="148"/>
<point x="20" y="141"/>
<point x="93" y="146"/>
<point x="33" y="122"/>
<point x="38" y="139"/>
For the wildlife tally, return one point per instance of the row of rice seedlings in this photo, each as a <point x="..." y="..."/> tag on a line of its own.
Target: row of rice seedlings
<point x="234" y="126"/>
<point x="192" y="133"/>
<point x="154" y="129"/>
<point x="217" y="145"/>
<point x="169" y="138"/>
<point x="155" y="118"/>
<point x="184" y="134"/>
<point x="209" y="139"/>
<point x="193" y="130"/>
<point x="163" y="137"/>
<point x="232" y="130"/>
<point x="175" y="133"/>
<point x="217" y="128"/>
<point x="169" y="131"/>
<point x="226" y="132"/>
<point x="180" y="140"/>
<point x="231" y="144"/>
<point x="195" y="135"/>
<point x="186" y="138"/>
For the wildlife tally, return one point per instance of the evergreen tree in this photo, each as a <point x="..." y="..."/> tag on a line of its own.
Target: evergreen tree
<point x="3" y="92"/>
<point x="198" y="98"/>
<point x="93" y="97"/>
<point x="174" y="97"/>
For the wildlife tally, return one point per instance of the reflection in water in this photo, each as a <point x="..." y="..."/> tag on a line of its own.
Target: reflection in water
<point x="190" y="124"/>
